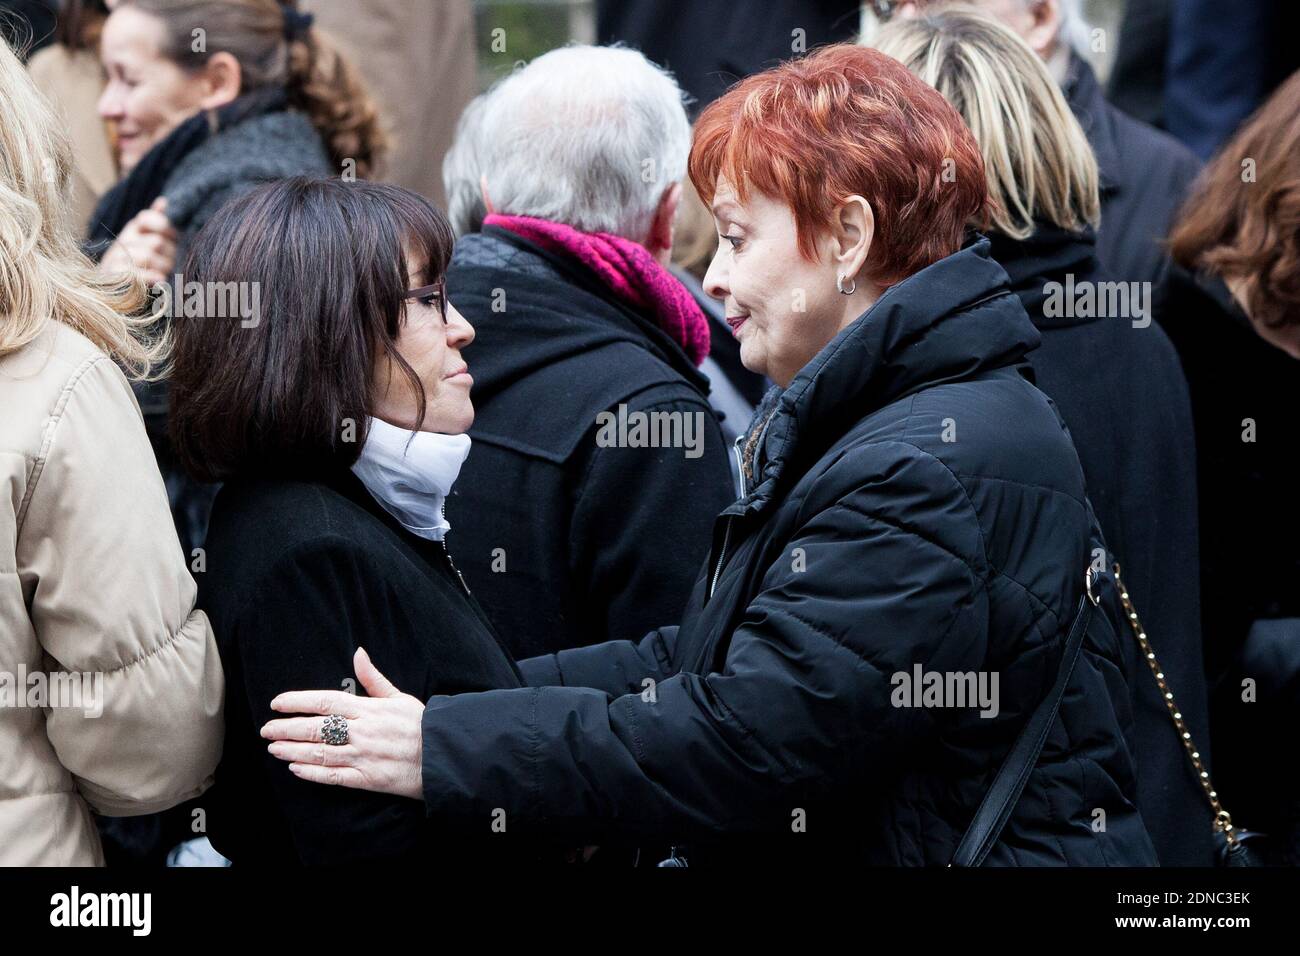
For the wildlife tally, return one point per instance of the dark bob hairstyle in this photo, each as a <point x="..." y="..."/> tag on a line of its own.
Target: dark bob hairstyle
<point x="288" y="390"/>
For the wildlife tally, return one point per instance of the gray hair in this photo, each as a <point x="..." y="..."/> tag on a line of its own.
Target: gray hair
<point x="587" y="136"/>
<point x="462" y="169"/>
<point x="1075" y="32"/>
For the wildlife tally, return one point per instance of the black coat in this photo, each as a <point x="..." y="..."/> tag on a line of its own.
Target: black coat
<point x="565" y="542"/>
<point x="299" y="575"/>
<point x="1250" y="525"/>
<point x="1145" y="174"/>
<point x="869" y="545"/>
<point x="1243" y="388"/>
<point x="709" y="44"/>
<point x="1123" y="396"/>
<point x="1137" y="77"/>
<point x="27" y="25"/>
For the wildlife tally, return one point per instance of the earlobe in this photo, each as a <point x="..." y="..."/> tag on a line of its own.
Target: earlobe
<point x="661" y="228"/>
<point x="1043" y="34"/>
<point x="857" y="229"/>
<point x="223" y="80"/>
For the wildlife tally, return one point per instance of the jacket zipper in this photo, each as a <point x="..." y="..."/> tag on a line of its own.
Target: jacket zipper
<point x="452" y="564"/>
<point x="722" y="555"/>
<point x="740" y="462"/>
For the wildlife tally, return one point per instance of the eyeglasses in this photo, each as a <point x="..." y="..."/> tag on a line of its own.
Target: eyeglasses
<point x="427" y="293"/>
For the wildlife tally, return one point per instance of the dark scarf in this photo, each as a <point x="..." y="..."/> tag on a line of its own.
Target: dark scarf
<point x="145" y="182"/>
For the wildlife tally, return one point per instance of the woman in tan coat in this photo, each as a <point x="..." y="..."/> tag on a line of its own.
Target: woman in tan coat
<point x="110" y="685"/>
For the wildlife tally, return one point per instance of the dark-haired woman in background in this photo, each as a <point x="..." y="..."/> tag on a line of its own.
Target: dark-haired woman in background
<point x="262" y="97"/>
<point x="1232" y="308"/>
<point x="337" y="424"/>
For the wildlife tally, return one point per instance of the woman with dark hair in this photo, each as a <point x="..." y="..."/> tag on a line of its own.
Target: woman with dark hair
<point x="912" y="519"/>
<point x="207" y="99"/>
<point x="1231" y="306"/>
<point x="336" y="420"/>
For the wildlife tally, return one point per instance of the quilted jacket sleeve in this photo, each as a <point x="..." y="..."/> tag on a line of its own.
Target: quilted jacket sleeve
<point x="110" y="596"/>
<point x="616" y="667"/>
<point x="801" y="704"/>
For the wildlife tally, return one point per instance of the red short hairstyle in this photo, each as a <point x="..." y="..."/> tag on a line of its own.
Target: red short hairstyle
<point x="847" y="120"/>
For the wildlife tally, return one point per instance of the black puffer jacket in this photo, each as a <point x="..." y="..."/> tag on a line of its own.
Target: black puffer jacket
<point x="1122" y="394"/>
<point x="918" y="505"/>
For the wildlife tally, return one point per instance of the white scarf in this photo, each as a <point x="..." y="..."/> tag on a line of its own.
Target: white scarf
<point x="411" y="474"/>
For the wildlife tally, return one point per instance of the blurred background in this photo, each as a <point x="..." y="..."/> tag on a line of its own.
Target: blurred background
<point x="534" y="26"/>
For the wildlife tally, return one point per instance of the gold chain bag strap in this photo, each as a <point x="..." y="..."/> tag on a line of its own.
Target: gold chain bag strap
<point x="1235" y="852"/>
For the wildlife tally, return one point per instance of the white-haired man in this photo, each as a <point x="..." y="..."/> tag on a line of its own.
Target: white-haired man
<point x="1145" y="173"/>
<point x="598" y="468"/>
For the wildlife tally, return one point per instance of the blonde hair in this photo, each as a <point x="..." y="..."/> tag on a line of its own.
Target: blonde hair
<point x="695" y="238"/>
<point x="44" y="276"/>
<point x="1037" y="160"/>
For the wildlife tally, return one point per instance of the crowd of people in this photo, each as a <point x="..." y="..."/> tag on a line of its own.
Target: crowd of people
<point x="880" y="458"/>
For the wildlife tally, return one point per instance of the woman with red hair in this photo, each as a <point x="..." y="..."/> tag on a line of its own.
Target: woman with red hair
<point x="896" y="598"/>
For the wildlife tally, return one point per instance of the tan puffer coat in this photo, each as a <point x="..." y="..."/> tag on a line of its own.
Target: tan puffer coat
<point x="110" y="686"/>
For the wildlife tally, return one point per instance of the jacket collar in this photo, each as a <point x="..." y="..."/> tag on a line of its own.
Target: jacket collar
<point x="1092" y="110"/>
<point x="1049" y="255"/>
<point x="552" y="337"/>
<point x="345" y="482"/>
<point x="952" y="320"/>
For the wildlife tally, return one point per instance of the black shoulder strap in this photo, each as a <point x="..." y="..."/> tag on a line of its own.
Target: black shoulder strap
<point x="996" y="807"/>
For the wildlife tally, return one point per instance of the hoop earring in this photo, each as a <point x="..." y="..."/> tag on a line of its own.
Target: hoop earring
<point x="839" y="286"/>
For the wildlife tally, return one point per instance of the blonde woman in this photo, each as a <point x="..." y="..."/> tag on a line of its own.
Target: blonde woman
<point x="1111" y="371"/>
<point x="110" y="685"/>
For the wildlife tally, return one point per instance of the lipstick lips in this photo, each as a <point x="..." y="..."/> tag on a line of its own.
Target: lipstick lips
<point x="736" y="321"/>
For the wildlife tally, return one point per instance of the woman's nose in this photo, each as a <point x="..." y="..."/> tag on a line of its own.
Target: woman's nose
<point x="715" y="280"/>
<point x="459" y="332"/>
<point x="110" y="104"/>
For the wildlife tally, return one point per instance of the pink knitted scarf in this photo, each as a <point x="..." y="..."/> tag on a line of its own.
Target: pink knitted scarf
<point x="629" y="270"/>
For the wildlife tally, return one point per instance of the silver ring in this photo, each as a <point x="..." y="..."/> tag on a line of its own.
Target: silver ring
<point x="334" y="731"/>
